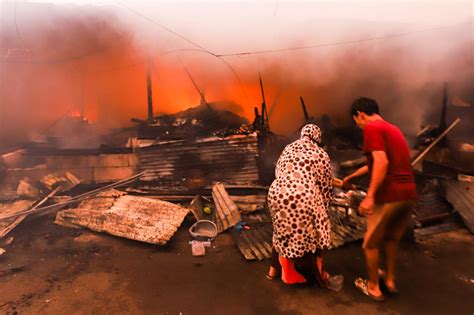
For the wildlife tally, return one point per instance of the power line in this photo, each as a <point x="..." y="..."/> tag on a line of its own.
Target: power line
<point x="56" y="61"/>
<point x="17" y="30"/>
<point x="348" y="42"/>
<point x="276" y="8"/>
<point x="165" y="28"/>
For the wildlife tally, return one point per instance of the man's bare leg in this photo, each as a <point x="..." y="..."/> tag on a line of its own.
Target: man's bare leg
<point x="372" y="260"/>
<point x="391" y="249"/>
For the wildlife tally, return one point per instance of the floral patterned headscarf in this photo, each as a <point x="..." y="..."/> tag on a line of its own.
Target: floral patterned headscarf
<point x="312" y="132"/>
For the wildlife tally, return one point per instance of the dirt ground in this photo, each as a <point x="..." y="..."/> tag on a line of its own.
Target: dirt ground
<point x="80" y="272"/>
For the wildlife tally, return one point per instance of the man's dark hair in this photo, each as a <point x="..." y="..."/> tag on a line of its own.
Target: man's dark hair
<point x="365" y="105"/>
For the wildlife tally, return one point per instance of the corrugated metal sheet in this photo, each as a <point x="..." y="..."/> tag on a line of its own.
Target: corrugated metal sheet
<point x="137" y="218"/>
<point x="256" y="242"/>
<point x="229" y="160"/>
<point x="461" y="196"/>
<point x="431" y="204"/>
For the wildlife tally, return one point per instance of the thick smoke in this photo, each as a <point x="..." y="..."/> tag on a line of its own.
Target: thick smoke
<point x="95" y="58"/>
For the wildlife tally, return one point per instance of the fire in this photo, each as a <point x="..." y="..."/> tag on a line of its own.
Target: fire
<point x="77" y="115"/>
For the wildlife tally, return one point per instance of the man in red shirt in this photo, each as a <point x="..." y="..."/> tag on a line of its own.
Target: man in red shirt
<point x="390" y="197"/>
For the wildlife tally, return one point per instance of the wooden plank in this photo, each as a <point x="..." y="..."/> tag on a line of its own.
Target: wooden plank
<point x="230" y="205"/>
<point x="226" y="209"/>
<point x="15" y="221"/>
<point x="11" y="226"/>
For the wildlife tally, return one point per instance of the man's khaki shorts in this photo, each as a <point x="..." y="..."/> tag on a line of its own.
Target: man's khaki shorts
<point x="387" y="221"/>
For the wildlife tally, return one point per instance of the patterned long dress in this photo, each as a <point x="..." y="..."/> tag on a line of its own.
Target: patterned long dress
<point x="299" y="197"/>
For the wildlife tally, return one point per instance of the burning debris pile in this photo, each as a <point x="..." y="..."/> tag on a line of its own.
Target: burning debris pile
<point x="205" y="120"/>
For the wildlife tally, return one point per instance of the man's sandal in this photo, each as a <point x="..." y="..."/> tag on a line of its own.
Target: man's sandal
<point x="363" y="286"/>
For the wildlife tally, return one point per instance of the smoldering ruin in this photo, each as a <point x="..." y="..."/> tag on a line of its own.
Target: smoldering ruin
<point x="113" y="122"/>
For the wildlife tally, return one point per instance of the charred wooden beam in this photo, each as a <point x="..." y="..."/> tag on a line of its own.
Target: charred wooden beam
<point x="149" y="91"/>
<point x="444" y="106"/>
<point x="305" y="112"/>
<point x="264" y="106"/>
<point x="432" y="144"/>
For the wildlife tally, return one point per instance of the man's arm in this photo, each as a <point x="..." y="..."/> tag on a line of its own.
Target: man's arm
<point x="379" y="171"/>
<point x="361" y="171"/>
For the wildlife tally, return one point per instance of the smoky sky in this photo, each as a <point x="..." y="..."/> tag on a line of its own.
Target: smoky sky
<point x="94" y="56"/>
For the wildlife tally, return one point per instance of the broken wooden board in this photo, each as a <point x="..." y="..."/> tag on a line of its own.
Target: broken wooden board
<point x="10" y="208"/>
<point x="27" y="189"/>
<point x="68" y="181"/>
<point x="461" y="196"/>
<point x="227" y="213"/>
<point x="137" y="218"/>
<point x="250" y="203"/>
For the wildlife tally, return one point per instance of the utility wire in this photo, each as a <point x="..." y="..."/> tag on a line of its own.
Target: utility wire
<point x="17" y="30"/>
<point x="348" y="42"/>
<point x="165" y="28"/>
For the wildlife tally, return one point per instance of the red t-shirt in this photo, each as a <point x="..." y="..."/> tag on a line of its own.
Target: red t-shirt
<point x="399" y="182"/>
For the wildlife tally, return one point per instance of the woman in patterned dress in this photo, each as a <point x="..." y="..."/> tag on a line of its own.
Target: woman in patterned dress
<point x="298" y="200"/>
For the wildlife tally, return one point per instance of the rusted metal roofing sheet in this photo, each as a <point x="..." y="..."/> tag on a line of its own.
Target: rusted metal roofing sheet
<point x="228" y="160"/>
<point x="137" y="218"/>
<point x="254" y="243"/>
<point x="461" y="196"/>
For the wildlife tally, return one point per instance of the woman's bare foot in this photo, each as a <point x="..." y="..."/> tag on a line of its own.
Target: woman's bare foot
<point x="272" y="273"/>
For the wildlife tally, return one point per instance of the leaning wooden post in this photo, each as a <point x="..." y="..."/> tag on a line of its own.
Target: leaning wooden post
<point x="432" y="144"/>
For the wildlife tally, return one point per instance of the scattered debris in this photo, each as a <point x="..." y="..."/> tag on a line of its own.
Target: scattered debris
<point x="202" y="208"/>
<point x="6" y="225"/>
<point x="138" y="218"/>
<point x="354" y="163"/>
<point x="7" y="241"/>
<point x="465" y="178"/>
<point x="87" y="238"/>
<point x="27" y="189"/>
<point x="198" y="248"/>
<point x="448" y="225"/>
<point x="461" y="196"/>
<point x="10" y="271"/>
<point x="346" y="224"/>
<point x="68" y="181"/>
<point x="74" y="199"/>
<point x="434" y="142"/>
<point x="203" y="229"/>
<point x="254" y="237"/>
<point x="16" y="217"/>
